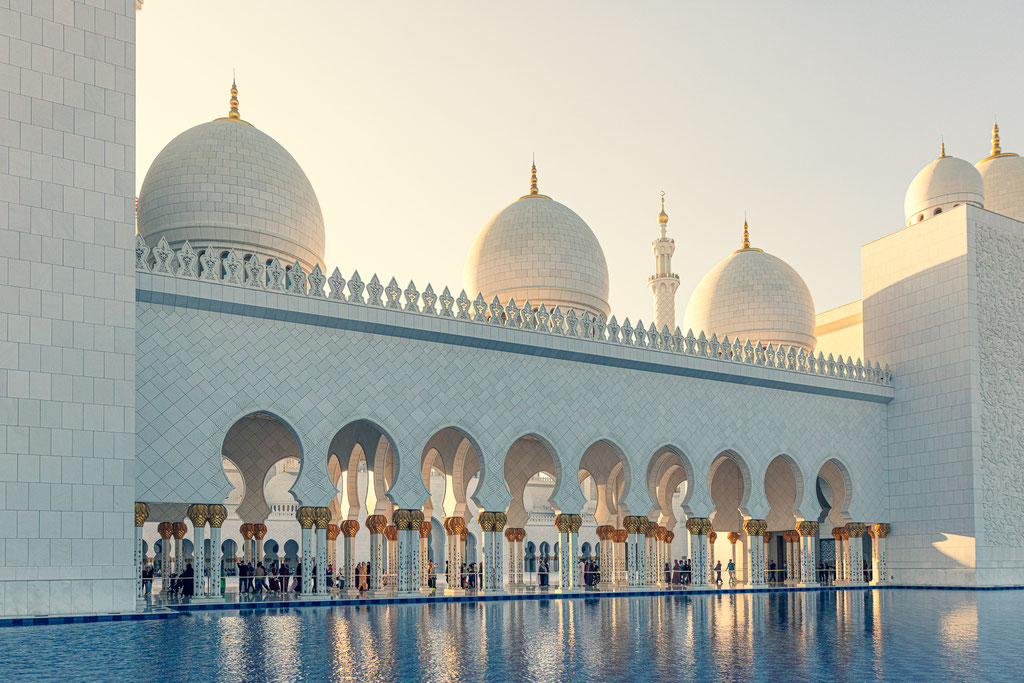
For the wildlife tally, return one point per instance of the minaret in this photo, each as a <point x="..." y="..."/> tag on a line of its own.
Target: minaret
<point x="664" y="282"/>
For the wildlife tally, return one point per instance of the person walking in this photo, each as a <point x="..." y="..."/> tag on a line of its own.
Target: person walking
<point x="718" y="573"/>
<point x="258" y="585"/>
<point x="732" y="572"/>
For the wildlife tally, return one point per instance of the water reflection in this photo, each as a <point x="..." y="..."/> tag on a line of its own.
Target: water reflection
<point x="845" y="635"/>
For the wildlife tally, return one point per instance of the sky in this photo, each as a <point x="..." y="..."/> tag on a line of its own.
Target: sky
<point x="416" y="121"/>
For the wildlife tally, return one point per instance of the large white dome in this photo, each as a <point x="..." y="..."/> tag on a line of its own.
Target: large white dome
<point x="941" y="185"/>
<point x="753" y="295"/>
<point x="1003" y="175"/>
<point x="227" y="184"/>
<point x="540" y="251"/>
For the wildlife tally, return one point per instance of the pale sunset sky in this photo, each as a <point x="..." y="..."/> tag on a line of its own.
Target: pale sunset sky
<point x="416" y="121"/>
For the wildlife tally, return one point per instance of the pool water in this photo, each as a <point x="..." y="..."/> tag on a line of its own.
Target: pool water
<point x="897" y="635"/>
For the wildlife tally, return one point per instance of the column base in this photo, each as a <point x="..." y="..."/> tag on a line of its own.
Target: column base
<point x="856" y="583"/>
<point x="492" y="591"/>
<point x="141" y="604"/>
<point x="880" y="582"/>
<point x="206" y="599"/>
<point x="379" y="593"/>
<point x="350" y="593"/>
<point x="807" y="584"/>
<point x="605" y="586"/>
<point x="426" y="590"/>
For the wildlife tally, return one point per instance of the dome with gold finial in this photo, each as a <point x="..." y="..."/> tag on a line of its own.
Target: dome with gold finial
<point x="942" y="185"/>
<point x="1003" y="176"/>
<point x="753" y="295"/>
<point x="541" y="251"/>
<point x="227" y="184"/>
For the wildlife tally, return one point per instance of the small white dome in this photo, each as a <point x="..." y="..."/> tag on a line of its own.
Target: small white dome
<point x="227" y="184"/>
<point x="753" y="295"/>
<point x="941" y="185"/>
<point x="1003" y="175"/>
<point x="540" y="251"/>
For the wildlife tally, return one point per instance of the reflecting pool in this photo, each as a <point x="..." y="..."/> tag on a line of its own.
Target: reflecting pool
<point x="899" y="635"/>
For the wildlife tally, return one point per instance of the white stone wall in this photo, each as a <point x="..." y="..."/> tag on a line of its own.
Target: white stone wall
<point x="67" y="314"/>
<point x="941" y="302"/>
<point x="320" y="364"/>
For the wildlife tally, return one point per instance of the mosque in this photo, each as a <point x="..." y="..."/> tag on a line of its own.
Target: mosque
<point x="267" y="406"/>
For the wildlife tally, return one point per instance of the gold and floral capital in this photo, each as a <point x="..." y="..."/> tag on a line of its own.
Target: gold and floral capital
<point x="391" y="532"/>
<point x="500" y="520"/>
<point x="306" y="516"/>
<point x="767" y="537"/>
<point x="856" y="529"/>
<point x="562" y="523"/>
<point x="165" y="529"/>
<point x="621" y="536"/>
<point x="837" y="533"/>
<point x="179" y="529"/>
<point x="807" y="528"/>
<point x="670" y="536"/>
<point x="376" y="523"/>
<point x="635" y="524"/>
<point x="332" y="532"/>
<point x="453" y="526"/>
<point x="733" y="537"/>
<point x="605" y="532"/>
<point x="424" y="529"/>
<point x="712" y="536"/>
<point x="349" y="528"/>
<point x="882" y="530"/>
<point x="520" y="534"/>
<point x="844" y="534"/>
<point x="464" y="533"/>
<point x="216" y="514"/>
<point x="198" y="513"/>
<point x="402" y="519"/>
<point x="651" y="531"/>
<point x="698" y="526"/>
<point x="415" y="520"/>
<point x="323" y="517"/>
<point x="246" y="530"/>
<point x="259" y="531"/>
<point x="575" y="522"/>
<point x="486" y="520"/>
<point x="755" y="527"/>
<point x="141" y="513"/>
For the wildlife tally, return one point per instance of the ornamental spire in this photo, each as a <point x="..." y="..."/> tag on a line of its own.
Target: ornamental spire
<point x="233" y="112"/>
<point x="996" y="149"/>
<point x="746" y="235"/>
<point x="533" y="178"/>
<point x="942" y="149"/>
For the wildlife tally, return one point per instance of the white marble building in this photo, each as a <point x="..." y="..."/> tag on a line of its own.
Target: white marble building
<point x="221" y="380"/>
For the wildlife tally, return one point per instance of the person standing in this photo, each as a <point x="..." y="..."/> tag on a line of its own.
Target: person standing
<point x="732" y="572"/>
<point x="718" y="573"/>
<point x="258" y="586"/>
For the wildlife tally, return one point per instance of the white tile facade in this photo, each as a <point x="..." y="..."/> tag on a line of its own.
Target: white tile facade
<point x="67" y="313"/>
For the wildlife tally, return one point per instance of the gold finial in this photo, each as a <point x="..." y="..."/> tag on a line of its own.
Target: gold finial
<point x="533" y="178"/>
<point x="746" y="235"/>
<point x="663" y="217"/>
<point x="233" y="113"/>
<point x="996" y="149"/>
<point x="942" y="149"/>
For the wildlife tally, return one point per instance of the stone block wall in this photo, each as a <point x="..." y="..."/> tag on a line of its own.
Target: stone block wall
<point x="67" y="312"/>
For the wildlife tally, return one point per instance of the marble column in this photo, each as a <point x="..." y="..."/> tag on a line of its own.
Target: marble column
<point x="463" y="536"/>
<point x="246" y="530"/>
<point x="699" y="527"/>
<point x="605" y="538"/>
<point x="573" y="537"/>
<point x="198" y="512"/>
<point x="497" y="583"/>
<point x="407" y="524"/>
<point x="712" y="537"/>
<point x="486" y="521"/>
<point x="840" y="561"/>
<point x="179" y="529"/>
<point x="323" y="519"/>
<point x="667" y="551"/>
<point x="307" y="519"/>
<point x="166" y="531"/>
<point x="650" y="538"/>
<point x="794" y="569"/>
<point x="141" y="514"/>
<point x="564" y="561"/>
<point x="424" y="541"/>
<point x="808" y="553"/>
<point x="453" y="527"/>
<point x="880" y="533"/>
<point x="514" y="582"/>
<point x="333" y="531"/>
<point x="767" y="577"/>
<point x="259" y="531"/>
<point x="855" y="552"/>
<point x="216" y="514"/>
<point x="376" y="524"/>
<point x="391" y="535"/>
<point x="755" y="529"/>
<point x="733" y="537"/>
<point x="620" y="576"/>
<point x="349" y="528"/>
<point x="636" y="527"/>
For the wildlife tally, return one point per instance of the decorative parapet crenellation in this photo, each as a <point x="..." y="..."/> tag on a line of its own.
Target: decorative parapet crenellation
<point x="227" y="267"/>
